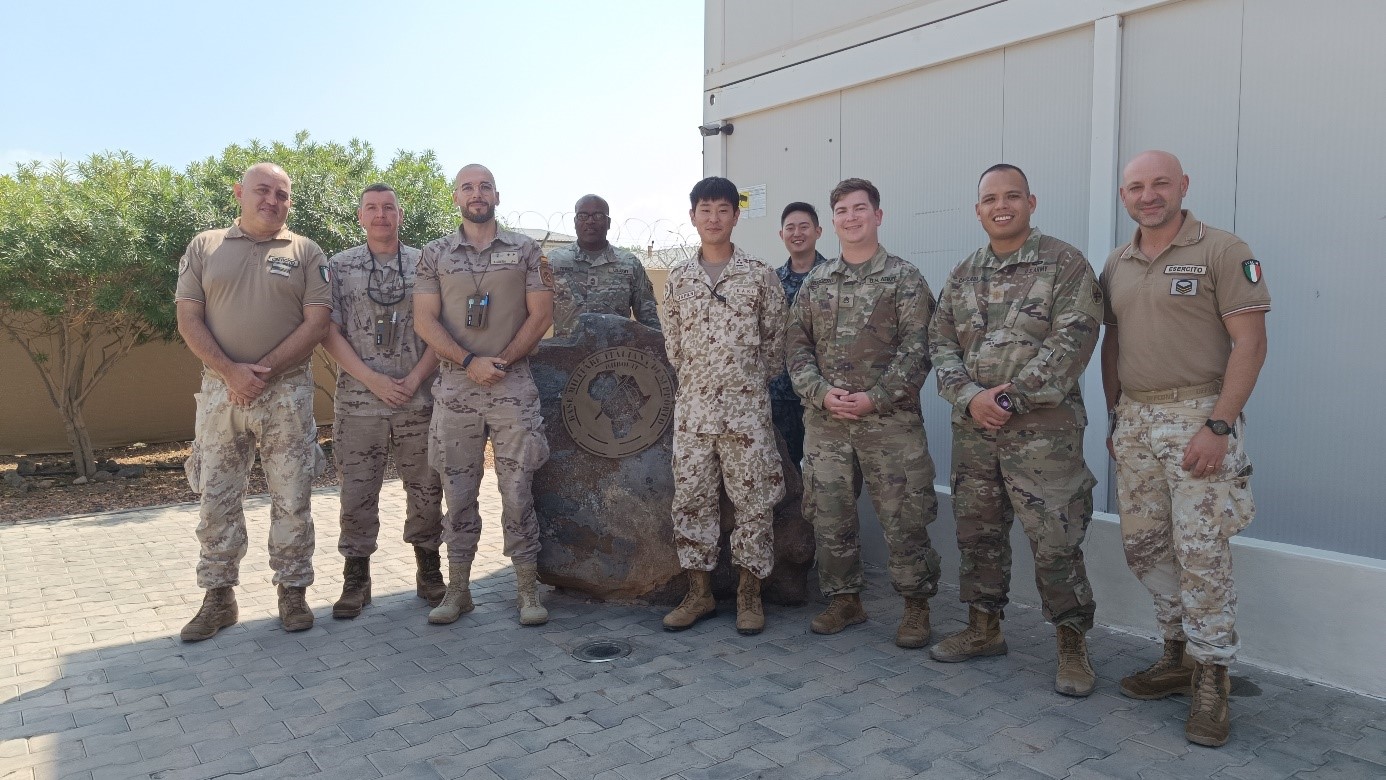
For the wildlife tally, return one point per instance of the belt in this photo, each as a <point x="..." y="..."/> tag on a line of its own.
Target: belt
<point x="1177" y="394"/>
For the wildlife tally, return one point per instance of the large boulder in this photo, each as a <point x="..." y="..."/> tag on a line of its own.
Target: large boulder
<point x="603" y="498"/>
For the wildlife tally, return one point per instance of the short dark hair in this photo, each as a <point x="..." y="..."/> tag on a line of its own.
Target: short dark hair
<point x="715" y="188"/>
<point x="379" y="186"/>
<point x="848" y="186"/>
<point x="799" y="205"/>
<point x="1005" y="167"/>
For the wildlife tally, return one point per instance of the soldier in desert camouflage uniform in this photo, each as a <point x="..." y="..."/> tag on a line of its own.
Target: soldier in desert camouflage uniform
<point x="593" y="277"/>
<point x="382" y="402"/>
<point x="483" y="299"/>
<point x="858" y="355"/>
<point x="1179" y="361"/>
<point x="1016" y="325"/>
<point x="725" y="340"/>
<point x="253" y="301"/>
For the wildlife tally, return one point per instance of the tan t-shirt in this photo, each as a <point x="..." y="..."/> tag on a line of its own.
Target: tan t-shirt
<point x="502" y="272"/>
<point x="1169" y="310"/>
<point x="253" y="291"/>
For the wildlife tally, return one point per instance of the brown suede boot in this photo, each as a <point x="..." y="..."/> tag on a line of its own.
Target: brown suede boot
<point x="218" y="611"/>
<point x="294" y="614"/>
<point x="844" y="610"/>
<point x="1210" y="716"/>
<point x="982" y="637"/>
<point x="914" y="624"/>
<point x="1172" y="674"/>
<point x="1075" y="676"/>
<point x="428" y="579"/>
<point x="697" y="605"/>
<point x="750" y="615"/>
<point x="356" y="588"/>
<point x="532" y="610"/>
<point x="457" y="601"/>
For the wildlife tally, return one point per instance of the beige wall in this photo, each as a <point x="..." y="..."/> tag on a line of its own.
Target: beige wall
<point x="146" y="397"/>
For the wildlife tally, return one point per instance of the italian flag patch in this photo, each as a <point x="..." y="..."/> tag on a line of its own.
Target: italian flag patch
<point x="1252" y="269"/>
<point x="327" y="275"/>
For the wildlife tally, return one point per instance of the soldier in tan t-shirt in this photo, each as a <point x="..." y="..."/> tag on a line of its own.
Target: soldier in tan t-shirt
<point x="482" y="300"/>
<point x="383" y="403"/>
<point x="253" y="301"/>
<point x="1186" y="338"/>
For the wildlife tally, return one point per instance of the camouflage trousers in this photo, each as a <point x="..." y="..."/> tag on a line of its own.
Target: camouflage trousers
<point x="1041" y="478"/>
<point x="465" y="416"/>
<point x="1176" y="527"/>
<point x="280" y="422"/>
<point x="361" y="443"/>
<point x="893" y="455"/>
<point x="748" y="464"/>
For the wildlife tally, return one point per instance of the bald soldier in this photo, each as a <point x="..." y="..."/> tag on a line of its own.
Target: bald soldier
<point x="383" y="403"/>
<point x="1185" y="342"/>
<point x="253" y="301"/>
<point x="593" y="277"/>
<point x="1016" y="325"/>
<point x="482" y="300"/>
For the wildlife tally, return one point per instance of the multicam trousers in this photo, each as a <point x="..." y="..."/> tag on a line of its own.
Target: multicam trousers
<point x="361" y="444"/>
<point x="1039" y="477"/>
<point x="465" y="415"/>
<point x="1176" y="527"/>
<point x="280" y="421"/>
<point x="894" y="458"/>
<point x="748" y="463"/>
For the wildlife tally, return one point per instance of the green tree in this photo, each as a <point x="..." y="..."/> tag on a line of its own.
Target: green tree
<point x="88" y="259"/>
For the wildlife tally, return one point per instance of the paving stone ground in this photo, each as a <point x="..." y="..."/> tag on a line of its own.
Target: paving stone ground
<point x="94" y="683"/>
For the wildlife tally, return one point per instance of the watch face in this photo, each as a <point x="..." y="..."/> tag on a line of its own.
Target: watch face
<point x="1219" y="427"/>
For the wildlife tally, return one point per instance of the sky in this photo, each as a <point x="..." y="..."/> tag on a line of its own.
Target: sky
<point x="557" y="98"/>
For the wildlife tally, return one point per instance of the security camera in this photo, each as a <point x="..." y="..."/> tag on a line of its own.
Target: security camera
<point x="715" y="128"/>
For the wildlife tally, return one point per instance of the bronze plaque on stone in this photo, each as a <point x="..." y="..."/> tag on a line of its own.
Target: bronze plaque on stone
<point x="618" y="402"/>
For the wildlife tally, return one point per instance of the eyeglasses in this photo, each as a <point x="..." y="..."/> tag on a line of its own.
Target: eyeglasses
<point x="583" y="216"/>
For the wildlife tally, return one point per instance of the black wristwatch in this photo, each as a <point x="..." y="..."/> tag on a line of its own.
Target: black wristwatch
<point x="1220" y="427"/>
<point x="467" y="361"/>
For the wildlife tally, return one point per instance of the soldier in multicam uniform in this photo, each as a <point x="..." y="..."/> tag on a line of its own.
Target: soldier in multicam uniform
<point x="858" y="354"/>
<point x="1179" y="360"/>
<point x="382" y="402"/>
<point x="483" y="299"/>
<point x="253" y="301"/>
<point x="725" y="311"/>
<point x="800" y="231"/>
<point x="593" y="277"/>
<point x="1016" y="325"/>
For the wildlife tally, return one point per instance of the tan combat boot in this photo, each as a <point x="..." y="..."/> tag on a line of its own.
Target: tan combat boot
<point x="698" y="604"/>
<point x="1075" y="676"/>
<point x="750" y="616"/>
<point x="356" y="588"/>
<point x="914" y="624"/>
<point x="982" y="637"/>
<point x="844" y="610"/>
<point x="218" y="611"/>
<point x="428" y="580"/>
<point x="294" y="614"/>
<point x="1210" y="715"/>
<point x="457" y="601"/>
<point x="1172" y="674"/>
<point x="532" y="611"/>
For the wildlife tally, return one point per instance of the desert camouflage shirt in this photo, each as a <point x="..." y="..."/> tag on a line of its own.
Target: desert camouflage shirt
<point x="861" y="328"/>
<point x="1031" y="319"/>
<point x="380" y="332"/>
<point x="725" y="341"/>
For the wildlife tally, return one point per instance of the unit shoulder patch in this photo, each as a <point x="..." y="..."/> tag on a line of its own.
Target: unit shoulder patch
<point x="1252" y="269"/>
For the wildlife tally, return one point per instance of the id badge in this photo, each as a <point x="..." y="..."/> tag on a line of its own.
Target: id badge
<point x="476" y="310"/>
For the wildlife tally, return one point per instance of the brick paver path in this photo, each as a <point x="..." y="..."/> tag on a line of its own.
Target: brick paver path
<point x="94" y="683"/>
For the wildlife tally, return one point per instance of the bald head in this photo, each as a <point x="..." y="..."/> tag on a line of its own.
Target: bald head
<point x="591" y="220"/>
<point x="1153" y="186"/>
<point x="474" y="191"/>
<point x="471" y="170"/>
<point x="264" y="195"/>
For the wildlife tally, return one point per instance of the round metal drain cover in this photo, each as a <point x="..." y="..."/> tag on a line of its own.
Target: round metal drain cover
<point x="599" y="651"/>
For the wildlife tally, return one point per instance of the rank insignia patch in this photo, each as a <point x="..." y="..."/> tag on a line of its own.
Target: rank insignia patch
<point x="1183" y="287"/>
<point x="1252" y="269"/>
